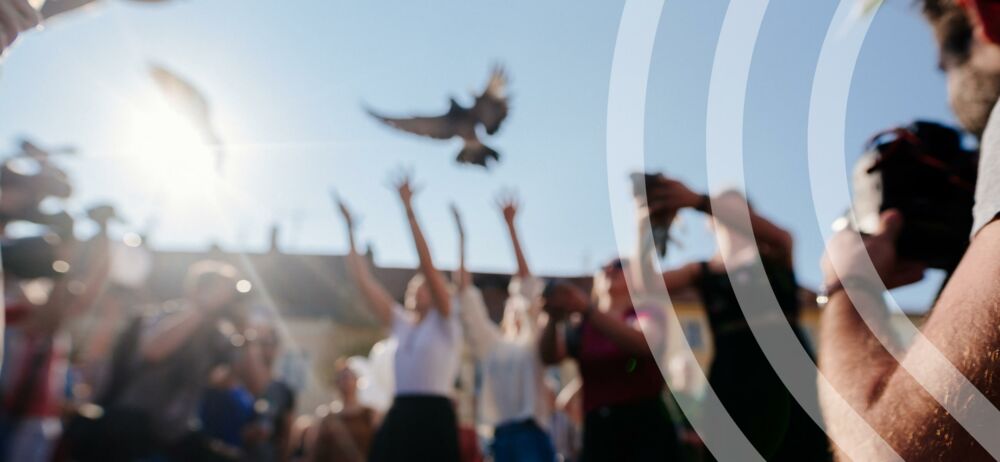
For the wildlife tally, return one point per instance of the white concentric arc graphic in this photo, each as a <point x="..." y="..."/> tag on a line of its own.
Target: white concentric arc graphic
<point x="826" y="147"/>
<point x="724" y="132"/>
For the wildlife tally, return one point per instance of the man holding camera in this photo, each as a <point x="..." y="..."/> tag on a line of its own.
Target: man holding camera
<point x="161" y="366"/>
<point x="931" y="404"/>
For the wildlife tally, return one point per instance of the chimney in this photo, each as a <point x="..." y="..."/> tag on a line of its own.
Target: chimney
<point x="275" y="232"/>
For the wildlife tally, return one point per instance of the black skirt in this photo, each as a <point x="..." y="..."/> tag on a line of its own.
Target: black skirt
<point x="420" y="427"/>
<point x="639" y="432"/>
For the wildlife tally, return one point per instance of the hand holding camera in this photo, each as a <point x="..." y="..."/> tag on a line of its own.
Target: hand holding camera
<point x="924" y="172"/>
<point x="658" y="200"/>
<point x="846" y="257"/>
<point x="563" y="298"/>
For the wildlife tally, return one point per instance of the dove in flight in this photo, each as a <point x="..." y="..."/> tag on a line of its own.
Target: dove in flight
<point x="489" y="110"/>
<point x="192" y="104"/>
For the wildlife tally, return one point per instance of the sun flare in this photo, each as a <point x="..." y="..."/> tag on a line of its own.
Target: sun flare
<point x="172" y="156"/>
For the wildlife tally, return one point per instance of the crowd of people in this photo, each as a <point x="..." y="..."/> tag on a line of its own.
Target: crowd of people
<point x="571" y="372"/>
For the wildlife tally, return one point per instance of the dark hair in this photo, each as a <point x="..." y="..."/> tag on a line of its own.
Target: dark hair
<point x="951" y="28"/>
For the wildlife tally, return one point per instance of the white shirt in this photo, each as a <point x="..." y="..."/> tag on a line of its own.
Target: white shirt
<point x="428" y="353"/>
<point x="988" y="183"/>
<point x="512" y="372"/>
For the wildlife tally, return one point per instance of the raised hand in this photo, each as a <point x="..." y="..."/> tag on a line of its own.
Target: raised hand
<point x="403" y="184"/>
<point x="848" y="256"/>
<point x="457" y="215"/>
<point x="508" y="204"/>
<point x="344" y="211"/>
<point x="670" y="194"/>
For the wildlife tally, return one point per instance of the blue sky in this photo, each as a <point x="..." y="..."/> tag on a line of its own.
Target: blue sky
<point x="288" y="79"/>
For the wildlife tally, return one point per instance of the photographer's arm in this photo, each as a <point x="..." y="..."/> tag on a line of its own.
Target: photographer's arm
<point x="643" y="270"/>
<point x="645" y="278"/>
<point x="252" y="369"/>
<point x="171" y="334"/>
<point x="66" y="300"/>
<point x="885" y="394"/>
<point x="730" y="208"/>
<point x="96" y="278"/>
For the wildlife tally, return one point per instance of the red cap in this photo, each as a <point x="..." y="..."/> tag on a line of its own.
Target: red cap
<point x="988" y="13"/>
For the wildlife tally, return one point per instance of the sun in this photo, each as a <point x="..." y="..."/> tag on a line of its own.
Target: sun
<point x="171" y="155"/>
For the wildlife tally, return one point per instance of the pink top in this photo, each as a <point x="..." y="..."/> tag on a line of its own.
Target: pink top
<point x="611" y="376"/>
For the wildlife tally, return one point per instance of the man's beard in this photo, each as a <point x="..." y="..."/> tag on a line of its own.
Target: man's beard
<point x="973" y="93"/>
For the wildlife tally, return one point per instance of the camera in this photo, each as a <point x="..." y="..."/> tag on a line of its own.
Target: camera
<point x="924" y="171"/>
<point x="643" y="184"/>
<point x="26" y="182"/>
<point x="31" y="257"/>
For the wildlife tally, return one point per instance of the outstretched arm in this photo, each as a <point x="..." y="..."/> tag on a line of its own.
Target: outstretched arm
<point x="435" y="280"/>
<point x="509" y="206"/>
<point x="896" y="405"/>
<point x="66" y="301"/>
<point x="480" y="331"/>
<point x="375" y="294"/>
<point x="461" y="278"/>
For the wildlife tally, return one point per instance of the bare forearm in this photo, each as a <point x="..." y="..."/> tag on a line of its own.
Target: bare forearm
<point x="846" y="341"/>
<point x="645" y="278"/>
<point x="551" y="347"/>
<point x="522" y="262"/>
<point x="376" y="296"/>
<point x="436" y="282"/>
<point x="94" y="286"/>
<point x="462" y="277"/>
<point x="169" y="339"/>
<point x="734" y="213"/>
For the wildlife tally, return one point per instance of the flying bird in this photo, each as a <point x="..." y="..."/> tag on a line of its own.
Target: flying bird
<point x="489" y="110"/>
<point x="34" y="151"/>
<point x="185" y="99"/>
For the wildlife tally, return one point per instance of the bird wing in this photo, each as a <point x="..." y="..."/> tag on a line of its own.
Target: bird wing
<point x="440" y="127"/>
<point x="491" y="106"/>
<point x="182" y="96"/>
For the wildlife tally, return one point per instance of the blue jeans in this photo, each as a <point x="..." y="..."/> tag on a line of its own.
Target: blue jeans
<point x="522" y="441"/>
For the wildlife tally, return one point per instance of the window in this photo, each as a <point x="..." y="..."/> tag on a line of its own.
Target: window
<point x="692" y="332"/>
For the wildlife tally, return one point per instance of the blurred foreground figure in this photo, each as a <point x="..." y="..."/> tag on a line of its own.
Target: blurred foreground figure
<point x="613" y="343"/>
<point x="16" y="16"/>
<point x="267" y="437"/>
<point x="942" y="404"/>
<point x="36" y="374"/>
<point x="513" y="398"/>
<point x="490" y="110"/>
<point x="741" y="375"/>
<point x="346" y="433"/>
<point x="161" y="365"/>
<point x="421" y="424"/>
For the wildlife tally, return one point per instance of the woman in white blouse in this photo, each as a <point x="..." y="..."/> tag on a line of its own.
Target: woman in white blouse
<point x="513" y="391"/>
<point x="421" y="424"/>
